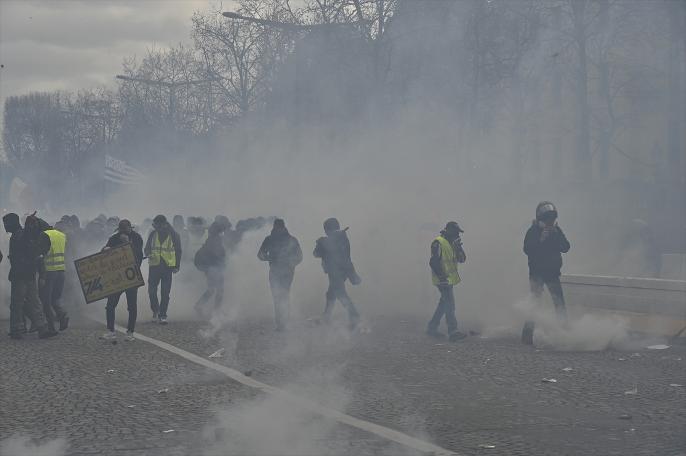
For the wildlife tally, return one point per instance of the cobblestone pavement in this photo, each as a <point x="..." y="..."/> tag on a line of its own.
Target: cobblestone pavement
<point x="465" y="396"/>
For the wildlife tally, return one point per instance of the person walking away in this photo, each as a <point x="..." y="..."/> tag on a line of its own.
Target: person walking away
<point x="125" y="234"/>
<point x="163" y="250"/>
<point x="334" y="251"/>
<point x="283" y="253"/>
<point x="211" y="259"/>
<point x="544" y="244"/>
<point x="446" y="253"/>
<point x="51" y="278"/>
<point x="27" y="245"/>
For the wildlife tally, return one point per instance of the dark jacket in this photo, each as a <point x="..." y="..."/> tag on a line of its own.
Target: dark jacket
<point x="26" y="251"/>
<point x="176" y="240"/>
<point x="212" y="254"/>
<point x="334" y="250"/>
<point x="545" y="256"/>
<point x="134" y="238"/>
<point x="281" y="250"/>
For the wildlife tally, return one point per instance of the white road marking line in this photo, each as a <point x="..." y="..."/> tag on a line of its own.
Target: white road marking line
<point x="306" y="404"/>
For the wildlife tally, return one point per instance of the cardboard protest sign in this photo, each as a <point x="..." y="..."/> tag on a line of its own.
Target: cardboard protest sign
<point x="108" y="272"/>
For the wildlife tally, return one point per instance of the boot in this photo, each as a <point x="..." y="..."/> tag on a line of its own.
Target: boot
<point x="528" y="333"/>
<point x="64" y="323"/>
<point x="456" y="335"/>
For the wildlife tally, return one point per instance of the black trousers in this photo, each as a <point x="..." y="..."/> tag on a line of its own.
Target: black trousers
<point x="50" y="295"/>
<point x="215" y="286"/>
<point x="536" y="284"/>
<point x="159" y="275"/>
<point x="131" y="305"/>
<point x="280" y="281"/>
<point x="335" y="292"/>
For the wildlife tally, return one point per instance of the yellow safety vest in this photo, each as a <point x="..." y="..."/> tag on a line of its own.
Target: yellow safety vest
<point x="449" y="262"/>
<point x="54" y="259"/>
<point x="164" y="250"/>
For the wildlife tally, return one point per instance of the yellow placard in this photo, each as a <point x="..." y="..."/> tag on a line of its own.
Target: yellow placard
<point x="108" y="272"/>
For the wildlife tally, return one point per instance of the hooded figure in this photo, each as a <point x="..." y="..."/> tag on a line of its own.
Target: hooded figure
<point x="334" y="251"/>
<point x="27" y="247"/>
<point x="544" y="245"/>
<point x="283" y="253"/>
<point x="211" y="259"/>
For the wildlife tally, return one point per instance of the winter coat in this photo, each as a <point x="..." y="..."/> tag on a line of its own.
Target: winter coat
<point x="212" y="254"/>
<point x="545" y="256"/>
<point x="26" y="251"/>
<point x="134" y="238"/>
<point x="334" y="250"/>
<point x="281" y="250"/>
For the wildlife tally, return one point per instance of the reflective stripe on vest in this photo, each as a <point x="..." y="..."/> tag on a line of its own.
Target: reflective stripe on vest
<point x="448" y="261"/>
<point x="164" y="250"/>
<point x="54" y="259"/>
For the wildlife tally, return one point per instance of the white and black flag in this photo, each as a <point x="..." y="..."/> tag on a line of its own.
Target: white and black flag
<point x="119" y="172"/>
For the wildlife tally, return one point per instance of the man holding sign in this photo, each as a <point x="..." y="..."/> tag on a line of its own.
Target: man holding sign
<point x="124" y="235"/>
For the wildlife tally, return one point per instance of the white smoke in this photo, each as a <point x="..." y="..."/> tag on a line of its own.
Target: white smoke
<point x="22" y="445"/>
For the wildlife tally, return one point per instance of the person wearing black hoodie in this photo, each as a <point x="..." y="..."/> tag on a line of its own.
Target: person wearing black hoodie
<point x="211" y="259"/>
<point x="283" y="253"/>
<point x="334" y="250"/>
<point x="27" y="247"/>
<point x="544" y="244"/>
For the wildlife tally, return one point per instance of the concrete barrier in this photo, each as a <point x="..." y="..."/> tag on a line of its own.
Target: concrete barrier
<point x="652" y="305"/>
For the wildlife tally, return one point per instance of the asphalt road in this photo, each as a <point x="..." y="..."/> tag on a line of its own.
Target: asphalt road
<point x="477" y="396"/>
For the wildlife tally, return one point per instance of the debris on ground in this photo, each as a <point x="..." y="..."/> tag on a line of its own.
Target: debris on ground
<point x="163" y="391"/>
<point x="676" y="385"/>
<point x="248" y="373"/>
<point x="658" y="347"/>
<point x="549" y="380"/>
<point x="567" y="369"/>
<point x="621" y="359"/>
<point x="632" y="391"/>
<point x="130" y="406"/>
<point x="218" y="354"/>
<point x="635" y="355"/>
<point x="625" y="416"/>
<point x="487" y="446"/>
<point x="110" y="371"/>
<point x="168" y="431"/>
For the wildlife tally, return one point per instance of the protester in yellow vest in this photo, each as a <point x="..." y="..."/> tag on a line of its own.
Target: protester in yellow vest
<point x="51" y="278"/>
<point x="446" y="253"/>
<point x="163" y="250"/>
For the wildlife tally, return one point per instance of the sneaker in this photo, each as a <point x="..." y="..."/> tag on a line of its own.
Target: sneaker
<point x="435" y="334"/>
<point x="64" y="323"/>
<point x="163" y="320"/>
<point x="455" y="336"/>
<point x="109" y="335"/>
<point x="129" y="336"/>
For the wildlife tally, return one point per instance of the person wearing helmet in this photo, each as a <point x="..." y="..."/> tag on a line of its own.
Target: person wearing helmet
<point x="544" y="244"/>
<point x="163" y="250"/>
<point x="446" y="253"/>
<point x="334" y="251"/>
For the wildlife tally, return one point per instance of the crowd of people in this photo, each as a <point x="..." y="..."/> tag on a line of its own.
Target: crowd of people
<point x="39" y="273"/>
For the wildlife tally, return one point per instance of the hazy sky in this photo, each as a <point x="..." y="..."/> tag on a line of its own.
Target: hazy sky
<point x="72" y="44"/>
